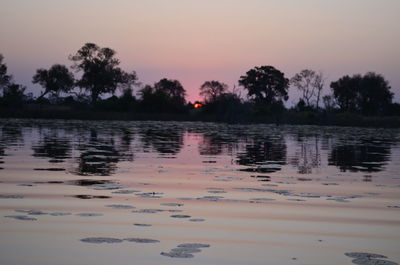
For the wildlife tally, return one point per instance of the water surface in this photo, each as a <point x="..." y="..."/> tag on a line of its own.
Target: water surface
<point x="81" y="192"/>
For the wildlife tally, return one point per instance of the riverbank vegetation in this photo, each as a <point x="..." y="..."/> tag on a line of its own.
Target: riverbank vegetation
<point x="95" y="87"/>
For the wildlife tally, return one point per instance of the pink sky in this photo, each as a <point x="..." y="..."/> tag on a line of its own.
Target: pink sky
<point x="194" y="41"/>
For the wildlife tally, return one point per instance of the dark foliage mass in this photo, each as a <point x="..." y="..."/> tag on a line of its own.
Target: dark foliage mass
<point x="265" y="84"/>
<point x="369" y="94"/>
<point x="97" y="84"/>
<point x="100" y="71"/>
<point x="55" y="80"/>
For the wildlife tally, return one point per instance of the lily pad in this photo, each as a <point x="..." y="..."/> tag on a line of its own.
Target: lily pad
<point x="141" y="240"/>
<point x="99" y="240"/>
<point x="21" y="217"/>
<point x="193" y="245"/>
<point x="89" y="214"/>
<point x="121" y="206"/>
<point x="180" y="216"/>
<point x="177" y="254"/>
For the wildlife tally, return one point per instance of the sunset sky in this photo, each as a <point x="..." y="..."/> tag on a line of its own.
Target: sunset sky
<point x="198" y="40"/>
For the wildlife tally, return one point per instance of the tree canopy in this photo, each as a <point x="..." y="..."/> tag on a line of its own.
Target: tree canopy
<point x="5" y="79"/>
<point x="369" y="94"/>
<point x="211" y="90"/>
<point x="55" y="80"/>
<point x="166" y="95"/>
<point x="310" y="84"/>
<point x="265" y="84"/>
<point x="100" y="71"/>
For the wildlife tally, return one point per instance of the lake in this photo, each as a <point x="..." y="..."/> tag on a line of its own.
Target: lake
<point x="117" y="192"/>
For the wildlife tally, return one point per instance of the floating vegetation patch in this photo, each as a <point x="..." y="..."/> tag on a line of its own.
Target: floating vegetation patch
<point x="197" y="220"/>
<point x="125" y="191"/>
<point x="50" y="169"/>
<point x="2" y="196"/>
<point x="193" y="245"/>
<point x="121" y="206"/>
<point x="358" y="255"/>
<point x="25" y="185"/>
<point x="31" y="212"/>
<point x="296" y="200"/>
<point x="21" y="217"/>
<point x="216" y="191"/>
<point x="329" y="184"/>
<point x="172" y="204"/>
<point x="107" y="186"/>
<point x="150" y="195"/>
<point x="89" y="214"/>
<point x="261" y="199"/>
<point x="148" y="211"/>
<point x="364" y="258"/>
<point x="185" y="250"/>
<point x="99" y="240"/>
<point x="210" y="198"/>
<point x="180" y="216"/>
<point x="173" y="254"/>
<point x="141" y="240"/>
<point x="59" y="214"/>
<point x="87" y="197"/>
<point x="394" y="206"/>
<point x="144" y="225"/>
<point x="38" y="212"/>
<point x="344" y="198"/>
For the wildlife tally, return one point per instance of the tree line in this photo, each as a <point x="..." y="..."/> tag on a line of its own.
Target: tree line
<point x="96" y="72"/>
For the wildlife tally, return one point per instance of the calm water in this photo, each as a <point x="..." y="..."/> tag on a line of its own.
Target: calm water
<point x="81" y="192"/>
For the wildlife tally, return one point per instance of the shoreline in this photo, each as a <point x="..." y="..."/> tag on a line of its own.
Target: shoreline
<point x="286" y="118"/>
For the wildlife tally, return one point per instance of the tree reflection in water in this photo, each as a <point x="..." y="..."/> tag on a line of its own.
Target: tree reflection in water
<point x="99" y="155"/>
<point x="364" y="156"/>
<point x="10" y="136"/>
<point x="263" y="154"/>
<point x="165" y="140"/>
<point x="53" y="146"/>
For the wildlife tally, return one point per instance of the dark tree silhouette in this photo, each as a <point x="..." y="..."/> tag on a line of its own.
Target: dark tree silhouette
<point x="5" y="79"/>
<point x="375" y="96"/>
<point x="13" y="95"/>
<point x="369" y="94"/>
<point x="100" y="71"/>
<point x="310" y="84"/>
<point x="172" y="89"/>
<point x="345" y="91"/>
<point x="165" y="96"/>
<point x="266" y="84"/>
<point x="55" y="80"/>
<point x="211" y="90"/>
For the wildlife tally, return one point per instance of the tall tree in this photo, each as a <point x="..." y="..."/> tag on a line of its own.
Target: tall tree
<point x="345" y="91"/>
<point x="375" y="95"/>
<point x="211" y="90"/>
<point x="310" y="84"/>
<point x="266" y="84"/>
<point x="5" y="79"/>
<point x="173" y="89"/>
<point x="369" y="94"/>
<point x="100" y="71"/>
<point x="54" y="80"/>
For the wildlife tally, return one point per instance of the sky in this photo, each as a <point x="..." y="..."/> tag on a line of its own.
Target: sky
<point x="199" y="40"/>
